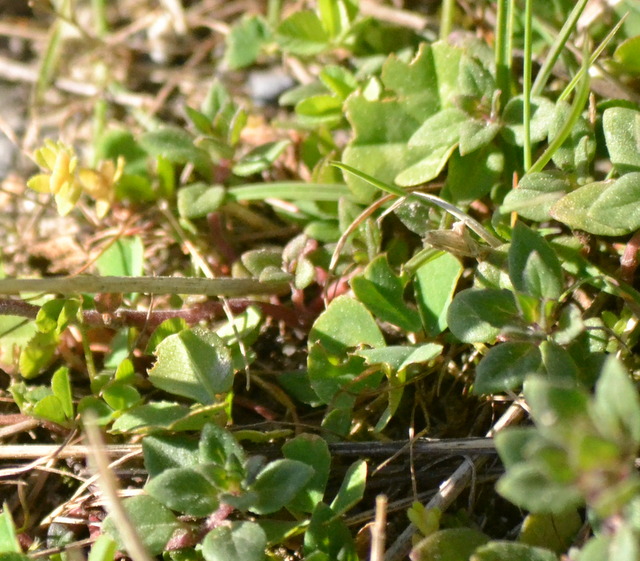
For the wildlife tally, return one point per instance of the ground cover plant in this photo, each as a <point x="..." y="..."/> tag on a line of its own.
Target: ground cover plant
<point x="321" y="280"/>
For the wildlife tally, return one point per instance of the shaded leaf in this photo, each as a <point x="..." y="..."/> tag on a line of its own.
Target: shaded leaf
<point x="479" y="315"/>
<point x="240" y="541"/>
<point x="154" y="523"/>
<point x="505" y="367"/>
<point x="277" y="484"/>
<point x="352" y="488"/>
<point x="382" y="292"/>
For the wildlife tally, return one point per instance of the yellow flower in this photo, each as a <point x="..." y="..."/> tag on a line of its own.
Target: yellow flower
<point x="100" y="183"/>
<point x="66" y="183"/>
<point x="60" y="160"/>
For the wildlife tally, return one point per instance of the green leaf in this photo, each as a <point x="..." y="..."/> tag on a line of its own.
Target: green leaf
<point x="199" y="199"/>
<point x="485" y="166"/>
<point x="217" y="445"/>
<point x="627" y="54"/>
<point x="120" y="395"/>
<point x="554" y="532"/>
<point x="476" y="134"/>
<point x="313" y="450"/>
<point x="616" y="409"/>
<point x="119" y="142"/>
<point x="382" y="127"/>
<point x="320" y="109"/>
<point x="61" y="388"/>
<point x="511" y="551"/>
<point x="168" y="327"/>
<point x="352" y="488"/>
<point x="558" y="363"/>
<point x="574" y="210"/>
<point x="619" y="204"/>
<point x="534" y="267"/>
<point x="527" y="487"/>
<point x="194" y="363"/>
<point x="56" y="315"/>
<point x="37" y="354"/>
<point x="199" y="120"/>
<point x="163" y="452"/>
<point x="505" y="367"/>
<point x="426" y="168"/>
<point x="124" y="258"/>
<point x="479" y="315"/>
<point x="399" y="357"/>
<point x="184" y="490"/>
<point x="245" y="41"/>
<point x="569" y="325"/>
<point x="336" y="15"/>
<point x="277" y="484"/>
<point x="440" y="129"/>
<point x="513" y="444"/>
<point x="536" y="194"/>
<point x="622" y="134"/>
<point x="331" y="337"/>
<point x="328" y="534"/>
<point x="542" y="115"/>
<point x="239" y="541"/>
<point x="555" y="409"/>
<point x="176" y="145"/>
<point x="99" y="409"/>
<point x="382" y="292"/>
<point x="8" y="537"/>
<point x="260" y="158"/>
<point x="302" y="34"/>
<point x="162" y="414"/>
<point x="578" y="150"/>
<point x="451" y="544"/>
<point x="50" y="408"/>
<point x="15" y="333"/>
<point x="103" y="549"/>
<point x="154" y="523"/>
<point x="11" y="556"/>
<point x="338" y="79"/>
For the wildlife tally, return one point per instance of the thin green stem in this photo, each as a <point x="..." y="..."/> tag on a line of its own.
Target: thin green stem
<point x="149" y="285"/>
<point x="581" y="97"/>
<point x="556" y="48"/>
<point x="471" y="223"/>
<point x="99" y="9"/>
<point x="591" y="60"/>
<point x="502" y="51"/>
<point x="526" y="83"/>
<point x="447" y="16"/>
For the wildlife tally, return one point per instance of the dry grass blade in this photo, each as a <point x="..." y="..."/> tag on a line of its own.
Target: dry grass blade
<point x="99" y="461"/>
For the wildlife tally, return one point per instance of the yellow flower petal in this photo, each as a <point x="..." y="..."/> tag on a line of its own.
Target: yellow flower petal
<point x="40" y="183"/>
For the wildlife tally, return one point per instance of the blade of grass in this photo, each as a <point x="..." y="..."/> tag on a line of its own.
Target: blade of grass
<point x="433" y="199"/>
<point x="290" y="190"/>
<point x="503" y="48"/>
<point x="556" y="48"/>
<point x="108" y="485"/>
<point x="591" y="59"/>
<point x="581" y="97"/>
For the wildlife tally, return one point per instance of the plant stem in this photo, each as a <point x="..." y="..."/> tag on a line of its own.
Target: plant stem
<point x="557" y="47"/>
<point x="503" y="47"/>
<point x="446" y="18"/>
<point x="149" y="285"/>
<point x="526" y="84"/>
